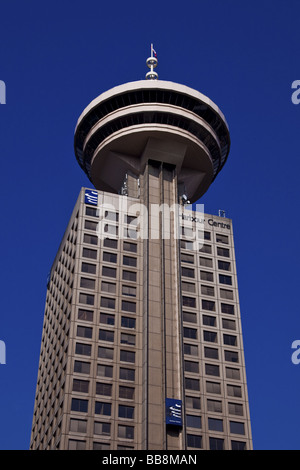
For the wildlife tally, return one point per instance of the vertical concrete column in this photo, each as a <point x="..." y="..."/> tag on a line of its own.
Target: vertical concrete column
<point x="161" y="348"/>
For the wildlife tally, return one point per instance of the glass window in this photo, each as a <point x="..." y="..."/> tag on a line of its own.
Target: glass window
<point x="126" y="392"/>
<point x="129" y="275"/>
<point x="188" y="272"/>
<point x="222" y="238"/>
<point x="213" y="387"/>
<point x="104" y="371"/>
<point x="192" y="402"/>
<point x="186" y="258"/>
<point x="105" y="353"/>
<point x="103" y="408"/>
<point x="106" y="335"/>
<point x="231" y="340"/>
<point x="191" y="366"/>
<point x="215" y="424"/>
<point x="187" y="245"/>
<point x="101" y="429"/>
<point x="127" y="322"/>
<point x="110" y="243"/>
<point x="216" y="444"/>
<point x="84" y="331"/>
<point x="90" y="239"/>
<point x="89" y="253"/>
<point x="109" y="272"/>
<point x="223" y="252"/>
<point x="103" y="389"/>
<point x="82" y="367"/>
<point x="127" y="356"/>
<point x="223" y="279"/>
<point x="232" y="373"/>
<point x="226" y="294"/>
<point x="108" y="302"/>
<point x="192" y="384"/>
<point x="190" y="333"/>
<point x="88" y="268"/>
<point x="78" y="425"/>
<point x="129" y="261"/>
<point x="207" y="290"/>
<point x="188" y="287"/>
<point x="90" y="224"/>
<point x="205" y="248"/>
<point x="80" y="386"/>
<point x="211" y="353"/>
<point x="229" y="324"/>
<point x="194" y="441"/>
<point x="84" y="349"/>
<point x="189" y="317"/>
<point x="209" y="320"/>
<point x="231" y="356"/>
<point x="210" y="336"/>
<point x="188" y="301"/>
<point x="191" y="349"/>
<point x="92" y="211"/>
<point x="224" y="265"/>
<point x="237" y="427"/>
<point x="211" y="369"/>
<point x="125" y="432"/>
<point x="87" y="283"/>
<point x="209" y="305"/>
<point x="74" y="444"/>
<point x="126" y="411"/>
<point x="79" y="405"/>
<point x="214" y="405"/>
<point x="86" y="315"/>
<point x="237" y="445"/>
<point x="86" y="299"/>
<point x="207" y="262"/>
<point x="127" y="339"/>
<point x="107" y="319"/>
<point x="114" y="216"/>
<point x="127" y="374"/>
<point x="128" y="246"/>
<point x="193" y="421"/>
<point x="108" y="287"/>
<point x="234" y="391"/>
<point x="129" y="290"/>
<point x="128" y="306"/>
<point x="206" y="276"/>
<point x="235" y="409"/>
<point x="227" y="308"/>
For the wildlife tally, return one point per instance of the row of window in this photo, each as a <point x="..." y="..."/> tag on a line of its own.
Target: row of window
<point x="215" y="406"/>
<point x="107" y="302"/>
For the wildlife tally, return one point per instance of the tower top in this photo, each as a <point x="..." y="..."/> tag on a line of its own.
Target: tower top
<point x="152" y="63"/>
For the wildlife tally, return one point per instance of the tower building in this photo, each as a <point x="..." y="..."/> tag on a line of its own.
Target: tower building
<point x="142" y="343"/>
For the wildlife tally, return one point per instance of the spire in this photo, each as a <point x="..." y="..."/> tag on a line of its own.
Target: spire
<point x="152" y="63"/>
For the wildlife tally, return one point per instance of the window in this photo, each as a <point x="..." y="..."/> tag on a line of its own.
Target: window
<point x="107" y="319"/>
<point x="83" y="349"/>
<point x="130" y="219"/>
<point x="190" y="333"/>
<point x="125" y="432"/>
<point x="186" y="245"/>
<point x="84" y="331"/>
<point x="90" y="239"/>
<point x="110" y="243"/>
<point x="226" y="294"/>
<point x="127" y="322"/>
<point x="86" y="299"/>
<point x="188" y="301"/>
<point x="111" y="229"/>
<point x="114" y="216"/>
<point x="126" y="392"/>
<point x="211" y="353"/>
<point x="127" y="374"/>
<point x="127" y="356"/>
<point x="86" y="315"/>
<point x="82" y="367"/>
<point x="188" y="287"/>
<point x="207" y="262"/>
<point x="89" y="253"/>
<point x="108" y="302"/>
<point x="191" y="349"/>
<point x="74" y="444"/>
<point x="214" y="405"/>
<point x="215" y="424"/>
<point x="129" y="261"/>
<point x="224" y="265"/>
<point x="231" y="356"/>
<point x="228" y="324"/>
<point x="87" y="283"/>
<point x="223" y="279"/>
<point x="210" y="336"/>
<point x="206" y="276"/>
<point x="231" y="340"/>
<point x="78" y="425"/>
<point x="109" y="257"/>
<point x="189" y="317"/>
<point x="129" y="276"/>
<point x="222" y="238"/>
<point x="194" y="441"/>
<point x="92" y="211"/>
<point x="227" y="308"/>
<point x="193" y="402"/>
<point x="237" y="445"/>
<point x="129" y="290"/>
<point x="208" y="305"/>
<point x="193" y="421"/>
<point x="211" y="369"/>
<point x="216" y="444"/>
<point x="108" y="287"/>
<point x="205" y="248"/>
<point x="80" y="386"/>
<point x="104" y="371"/>
<point x="109" y="272"/>
<point x="127" y="339"/>
<point x="185" y="258"/>
<point x="223" y="252"/>
<point x="192" y="384"/>
<point x="235" y="409"/>
<point x="88" y="268"/>
<point x="106" y="335"/>
<point x="213" y="387"/>
<point x="232" y="373"/>
<point x="209" y="320"/>
<point x="188" y="272"/>
<point x="105" y="353"/>
<point x="79" y="405"/>
<point x="90" y="225"/>
<point x="128" y="306"/>
<point x="103" y="389"/>
<point x="126" y="412"/>
<point x="190" y="366"/>
<point x="234" y="391"/>
<point x="103" y="408"/>
<point x="128" y="246"/>
<point x="102" y="429"/>
<point x="237" y="427"/>
<point x="207" y="290"/>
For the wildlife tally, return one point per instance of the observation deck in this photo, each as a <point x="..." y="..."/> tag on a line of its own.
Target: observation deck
<point x="126" y="126"/>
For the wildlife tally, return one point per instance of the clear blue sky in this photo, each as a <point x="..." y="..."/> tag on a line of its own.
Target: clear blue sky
<point x="55" y="57"/>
